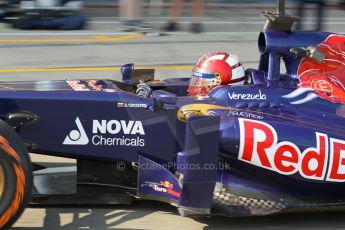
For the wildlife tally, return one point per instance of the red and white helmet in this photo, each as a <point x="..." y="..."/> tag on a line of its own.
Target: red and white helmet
<point x="215" y="69"/>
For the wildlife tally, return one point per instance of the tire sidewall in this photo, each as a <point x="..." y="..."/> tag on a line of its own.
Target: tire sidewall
<point x="9" y="163"/>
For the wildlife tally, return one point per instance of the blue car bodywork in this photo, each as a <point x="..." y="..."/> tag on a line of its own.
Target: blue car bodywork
<point x="255" y="149"/>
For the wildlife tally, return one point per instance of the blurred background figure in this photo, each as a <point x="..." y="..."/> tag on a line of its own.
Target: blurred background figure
<point x="342" y="4"/>
<point x="175" y="12"/>
<point x="155" y="8"/>
<point x="320" y="13"/>
<point x="154" y="13"/>
<point x="130" y="13"/>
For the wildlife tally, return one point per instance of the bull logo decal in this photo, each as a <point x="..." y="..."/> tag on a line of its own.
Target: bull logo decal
<point x="326" y="79"/>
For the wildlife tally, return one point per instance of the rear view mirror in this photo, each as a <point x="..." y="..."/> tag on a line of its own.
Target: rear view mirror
<point x="132" y="76"/>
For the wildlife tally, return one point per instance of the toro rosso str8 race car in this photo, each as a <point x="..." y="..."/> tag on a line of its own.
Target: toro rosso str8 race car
<point x="275" y="144"/>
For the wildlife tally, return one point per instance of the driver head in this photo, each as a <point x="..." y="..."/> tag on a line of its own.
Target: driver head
<point x="215" y="69"/>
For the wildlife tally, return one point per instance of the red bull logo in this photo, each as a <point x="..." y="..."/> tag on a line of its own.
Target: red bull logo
<point x="259" y="146"/>
<point x="166" y="184"/>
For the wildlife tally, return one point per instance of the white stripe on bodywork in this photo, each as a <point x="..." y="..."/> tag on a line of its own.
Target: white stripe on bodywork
<point x="297" y="92"/>
<point x="309" y="97"/>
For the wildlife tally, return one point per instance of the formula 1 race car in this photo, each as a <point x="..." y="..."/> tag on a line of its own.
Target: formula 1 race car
<point x="273" y="145"/>
<point x="44" y="14"/>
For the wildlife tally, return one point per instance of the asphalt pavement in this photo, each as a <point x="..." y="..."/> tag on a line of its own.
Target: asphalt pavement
<point x="98" y="52"/>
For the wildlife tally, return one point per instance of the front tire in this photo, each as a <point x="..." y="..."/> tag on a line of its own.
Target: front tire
<point x="15" y="176"/>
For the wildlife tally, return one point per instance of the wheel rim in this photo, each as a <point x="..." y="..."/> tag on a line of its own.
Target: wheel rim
<point x="2" y="181"/>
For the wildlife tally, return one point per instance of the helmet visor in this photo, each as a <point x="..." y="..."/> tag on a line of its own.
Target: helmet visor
<point x="202" y="78"/>
<point x="202" y="82"/>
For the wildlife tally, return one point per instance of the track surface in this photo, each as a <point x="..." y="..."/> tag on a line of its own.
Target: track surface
<point x="97" y="53"/>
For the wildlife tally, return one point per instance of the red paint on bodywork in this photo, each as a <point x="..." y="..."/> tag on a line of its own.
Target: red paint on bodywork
<point x="326" y="78"/>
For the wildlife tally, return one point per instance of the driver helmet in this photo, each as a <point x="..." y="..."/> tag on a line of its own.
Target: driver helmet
<point x="215" y="69"/>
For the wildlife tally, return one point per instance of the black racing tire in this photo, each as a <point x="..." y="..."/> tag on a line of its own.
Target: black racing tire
<point x="15" y="176"/>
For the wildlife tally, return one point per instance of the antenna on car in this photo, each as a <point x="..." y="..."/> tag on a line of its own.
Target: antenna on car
<point x="281" y="7"/>
<point x="279" y="20"/>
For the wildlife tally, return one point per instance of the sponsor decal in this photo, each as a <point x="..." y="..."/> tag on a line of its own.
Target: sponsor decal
<point x="259" y="146"/>
<point x="77" y="137"/>
<point x="90" y="85"/>
<point x="164" y="187"/>
<point x="235" y="113"/>
<point x="123" y="133"/>
<point x="247" y="96"/>
<point x="131" y="105"/>
<point x="76" y="86"/>
<point x="167" y="184"/>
